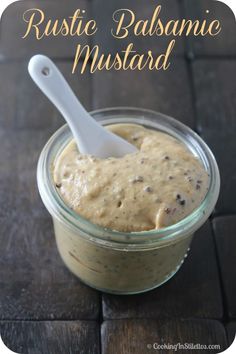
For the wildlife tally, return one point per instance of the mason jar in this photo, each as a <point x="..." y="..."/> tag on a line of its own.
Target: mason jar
<point x="119" y="262"/>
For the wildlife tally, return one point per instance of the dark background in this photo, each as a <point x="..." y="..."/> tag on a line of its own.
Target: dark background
<point x="43" y="307"/>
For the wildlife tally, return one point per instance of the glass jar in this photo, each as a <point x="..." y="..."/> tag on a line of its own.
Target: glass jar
<point x="118" y="262"/>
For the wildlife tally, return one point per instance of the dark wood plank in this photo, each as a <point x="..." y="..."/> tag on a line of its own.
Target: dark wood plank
<point x="231" y="331"/>
<point x="8" y="74"/>
<point x="103" y="13"/>
<point x="51" y="337"/>
<point x="28" y="145"/>
<point x="216" y="109"/>
<point x="23" y="105"/>
<point x="18" y="158"/>
<point x="37" y="111"/>
<point x="222" y="44"/>
<point x="144" y="336"/>
<point x="168" y="91"/>
<point x="215" y="94"/>
<point x="35" y="284"/>
<point x="7" y="153"/>
<point x="225" y="231"/>
<point x="13" y="29"/>
<point x="223" y="145"/>
<point x="193" y="292"/>
<point x="8" y="177"/>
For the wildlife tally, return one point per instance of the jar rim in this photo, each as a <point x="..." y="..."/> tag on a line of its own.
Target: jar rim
<point x="58" y="208"/>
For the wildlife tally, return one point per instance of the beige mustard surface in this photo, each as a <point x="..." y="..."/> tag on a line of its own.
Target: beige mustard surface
<point x="156" y="187"/>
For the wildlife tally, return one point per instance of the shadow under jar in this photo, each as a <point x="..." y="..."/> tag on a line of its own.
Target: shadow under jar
<point x="118" y="262"/>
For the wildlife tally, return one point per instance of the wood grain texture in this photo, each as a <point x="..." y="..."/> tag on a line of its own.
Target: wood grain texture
<point x="215" y="93"/>
<point x="12" y="46"/>
<point x="28" y="145"/>
<point x="168" y="91"/>
<point x="8" y="75"/>
<point x="43" y="307"/>
<point x="18" y="158"/>
<point x="223" y="145"/>
<point x="231" y="331"/>
<point x="24" y="106"/>
<point x="138" y="336"/>
<point x="7" y="153"/>
<point x="193" y="292"/>
<point x="103" y="13"/>
<point x="222" y="44"/>
<point x="74" y="337"/>
<point x="225" y="231"/>
<point x="8" y="179"/>
<point x="35" y="284"/>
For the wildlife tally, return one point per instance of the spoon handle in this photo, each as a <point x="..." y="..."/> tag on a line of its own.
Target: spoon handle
<point x="90" y="136"/>
<point x="52" y="83"/>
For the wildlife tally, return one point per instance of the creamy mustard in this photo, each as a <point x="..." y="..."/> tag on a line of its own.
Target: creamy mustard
<point x="156" y="187"/>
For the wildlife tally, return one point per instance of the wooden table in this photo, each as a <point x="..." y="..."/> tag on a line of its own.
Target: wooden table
<point x="43" y="307"/>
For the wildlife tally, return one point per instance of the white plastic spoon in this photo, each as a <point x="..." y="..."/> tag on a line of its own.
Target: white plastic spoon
<point x="90" y="136"/>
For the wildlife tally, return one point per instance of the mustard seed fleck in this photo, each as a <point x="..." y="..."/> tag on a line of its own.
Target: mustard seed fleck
<point x="148" y="189"/>
<point x="137" y="179"/>
<point x="135" y="137"/>
<point x="142" y="161"/>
